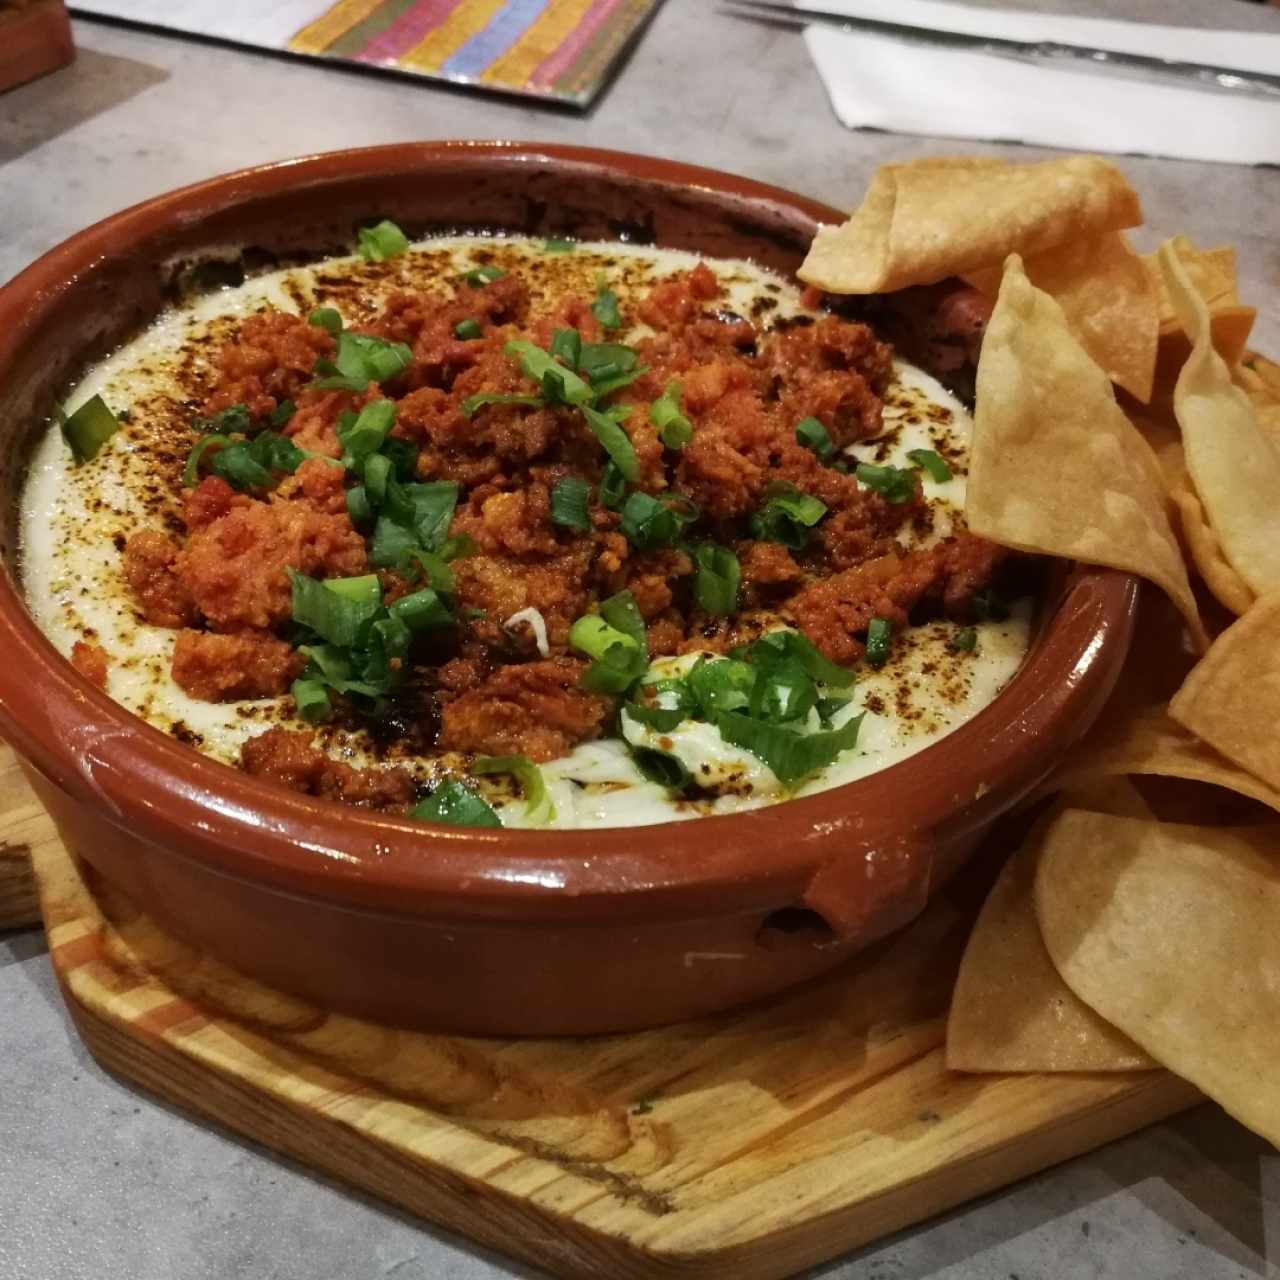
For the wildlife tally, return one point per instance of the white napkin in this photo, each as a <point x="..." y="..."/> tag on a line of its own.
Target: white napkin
<point x="883" y="83"/>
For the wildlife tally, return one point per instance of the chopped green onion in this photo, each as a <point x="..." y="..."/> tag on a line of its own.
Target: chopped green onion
<point x="661" y="767"/>
<point x="674" y="429"/>
<point x="472" y="404"/>
<point x="615" y="638"/>
<point x="360" y="360"/>
<point x="721" y="684"/>
<point x="358" y="506"/>
<point x="813" y="435"/>
<point x="421" y="611"/>
<point x="605" y="307"/>
<point x="89" y="428"/>
<point x="467" y="329"/>
<point x="791" y="755"/>
<point x="716" y="585"/>
<point x="892" y="484"/>
<point x="391" y="544"/>
<point x="932" y="462"/>
<point x="613" y="487"/>
<point x="987" y="606"/>
<point x="377" y="475"/>
<point x="381" y="242"/>
<point x="538" y="807"/>
<point x="282" y="413"/>
<point x="660" y="719"/>
<point x="311" y="699"/>
<point x="566" y="346"/>
<point x="328" y="319"/>
<point x="191" y="473"/>
<point x="478" y="277"/>
<point x="456" y="804"/>
<point x="621" y="612"/>
<point x="783" y="693"/>
<point x="569" y="504"/>
<point x="965" y="640"/>
<point x="435" y="569"/>
<point x="787" y="517"/>
<point x="879" y="641"/>
<point x="617" y="444"/>
<point x="458" y="547"/>
<point x="608" y="366"/>
<point x="536" y="364"/>
<point x="827" y="709"/>
<point x="785" y="646"/>
<point x="365" y="435"/>
<point x="557" y="245"/>
<point x="649" y="523"/>
<point x="337" y="608"/>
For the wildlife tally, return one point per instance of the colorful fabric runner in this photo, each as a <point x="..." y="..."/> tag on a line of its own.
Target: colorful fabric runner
<point x="555" y="49"/>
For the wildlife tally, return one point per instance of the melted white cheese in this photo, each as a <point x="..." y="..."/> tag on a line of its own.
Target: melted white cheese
<point x="74" y="521"/>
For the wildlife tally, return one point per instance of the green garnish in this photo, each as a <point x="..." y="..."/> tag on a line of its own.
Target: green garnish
<point x="787" y="518"/>
<point x="88" y="429"/>
<point x="716" y="584"/>
<point x="472" y="404"/>
<point x="537" y="364"/>
<point x="243" y="464"/>
<point x="617" y="444"/>
<point x="326" y="318"/>
<point x="365" y="432"/>
<point x="378" y="243"/>
<point x="361" y="360"/>
<point x="661" y="767"/>
<point x="467" y="330"/>
<point x="311" y="699"/>
<point x="649" y="523"/>
<point x="605" y="307"/>
<point x="613" y="487"/>
<point x="965" y="640"/>
<point x="879" y="641"/>
<point x="282" y="413"/>
<point x="557" y="245"/>
<point x="569" y="504"/>
<point x="674" y="429"/>
<point x="790" y="754"/>
<point x="455" y="803"/>
<point x="538" y="807"/>
<point x="566" y="346"/>
<point x="813" y="435"/>
<point x="934" y="463"/>
<point x="891" y="483"/>
<point x="987" y="606"/>
<point x="615" y="639"/>
<point x="792" y="647"/>
<point x="478" y="277"/>
<point x="337" y="608"/>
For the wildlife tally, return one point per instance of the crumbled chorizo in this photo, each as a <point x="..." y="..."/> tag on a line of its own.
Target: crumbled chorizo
<point x="152" y="572"/>
<point x="273" y="356"/>
<point x="291" y="759"/>
<point x="226" y="668"/>
<point x="534" y="709"/>
<point x="90" y="660"/>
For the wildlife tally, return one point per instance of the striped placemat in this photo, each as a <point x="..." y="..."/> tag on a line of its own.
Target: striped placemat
<point x="560" y="50"/>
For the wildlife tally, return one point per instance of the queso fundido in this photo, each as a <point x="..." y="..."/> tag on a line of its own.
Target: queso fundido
<point x="524" y="532"/>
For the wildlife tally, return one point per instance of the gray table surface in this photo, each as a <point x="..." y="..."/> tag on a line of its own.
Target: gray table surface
<point x="98" y="1179"/>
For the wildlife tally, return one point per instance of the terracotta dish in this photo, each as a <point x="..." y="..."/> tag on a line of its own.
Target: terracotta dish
<point x="466" y="929"/>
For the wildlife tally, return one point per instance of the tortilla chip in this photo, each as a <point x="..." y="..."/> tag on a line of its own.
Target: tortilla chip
<point x="1169" y="933"/>
<point x="1228" y="587"/>
<point x="1011" y="1011"/>
<point x="1232" y="698"/>
<point x="1234" y="467"/>
<point x="1055" y="467"/>
<point x="1109" y="301"/>
<point x="925" y="221"/>
<point x="1212" y="273"/>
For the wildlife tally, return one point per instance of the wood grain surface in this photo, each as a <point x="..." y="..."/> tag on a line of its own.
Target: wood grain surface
<point x="749" y="1145"/>
<point x="23" y="825"/>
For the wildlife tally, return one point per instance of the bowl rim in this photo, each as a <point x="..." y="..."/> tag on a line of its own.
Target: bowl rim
<point x="106" y="758"/>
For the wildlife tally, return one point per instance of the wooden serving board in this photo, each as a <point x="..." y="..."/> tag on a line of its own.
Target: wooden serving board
<point x="23" y="825"/>
<point x="749" y="1145"/>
